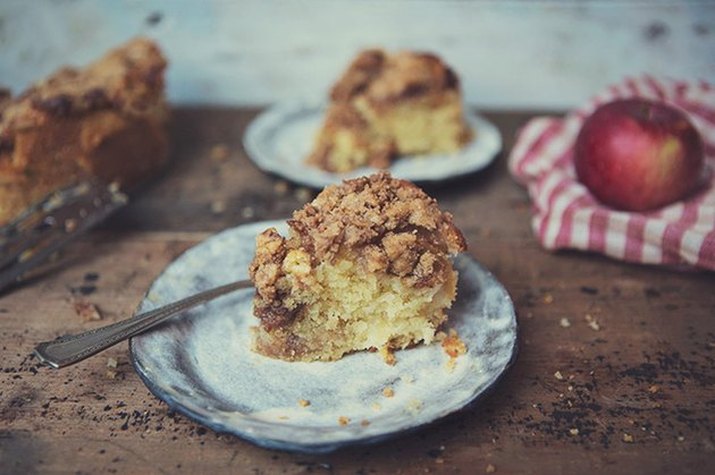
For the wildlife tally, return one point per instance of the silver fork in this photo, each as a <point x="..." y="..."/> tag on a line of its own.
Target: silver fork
<point x="45" y="227"/>
<point x="70" y="349"/>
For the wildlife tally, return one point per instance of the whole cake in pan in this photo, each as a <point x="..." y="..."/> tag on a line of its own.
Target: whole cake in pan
<point x="104" y="121"/>
<point x="366" y="267"/>
<point x="387" y="105"/>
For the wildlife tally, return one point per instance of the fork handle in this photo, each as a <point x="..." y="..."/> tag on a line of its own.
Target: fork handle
<point x="70" y="349"/>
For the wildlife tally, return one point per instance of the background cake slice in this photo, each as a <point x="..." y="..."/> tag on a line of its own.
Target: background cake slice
<point x="386" y="105"/>
<point x="105" y="121"/>
<point x="366" y="266"/>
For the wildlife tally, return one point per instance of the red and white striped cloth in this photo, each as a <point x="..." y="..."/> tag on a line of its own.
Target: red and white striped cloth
<point x="566" y="215"/>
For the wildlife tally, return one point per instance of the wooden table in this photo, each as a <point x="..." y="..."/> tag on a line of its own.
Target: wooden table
<point x="632" y="390"/>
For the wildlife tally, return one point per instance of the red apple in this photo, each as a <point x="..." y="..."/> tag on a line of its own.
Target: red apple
<point x="638" y="155"/>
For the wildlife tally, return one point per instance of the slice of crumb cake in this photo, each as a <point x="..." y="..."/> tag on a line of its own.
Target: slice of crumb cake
<point x="105" y="121"/>
<point x="387" y="105"/>
<point x="366" y="266"/>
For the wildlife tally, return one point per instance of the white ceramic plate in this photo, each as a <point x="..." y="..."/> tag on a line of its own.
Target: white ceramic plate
<point x="280" y="138"/>
<point x="200" y="362"/>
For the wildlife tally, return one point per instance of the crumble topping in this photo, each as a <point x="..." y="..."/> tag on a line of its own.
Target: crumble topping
<point x="389" y="216"/>
<point x="383" y="77"/>
<point x="129" y="79"/>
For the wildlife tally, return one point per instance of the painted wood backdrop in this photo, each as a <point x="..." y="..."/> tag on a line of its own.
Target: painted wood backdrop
<point x="510" y="54"/>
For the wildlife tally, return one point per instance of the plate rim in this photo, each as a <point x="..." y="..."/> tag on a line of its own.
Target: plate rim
<point x="257" y="125"/>
<point x="197" y="414"/>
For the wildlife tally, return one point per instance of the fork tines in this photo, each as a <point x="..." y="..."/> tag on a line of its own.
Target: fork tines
<point x="45" y="227"/>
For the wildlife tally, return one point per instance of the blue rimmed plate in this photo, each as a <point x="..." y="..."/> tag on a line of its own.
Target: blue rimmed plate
<point x="279" y="139"/>
<point x="201" y="365"/>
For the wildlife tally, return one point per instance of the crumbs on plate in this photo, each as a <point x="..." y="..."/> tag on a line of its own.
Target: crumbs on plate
<point x="87" y="311"/>
<point x="454" y="347"/>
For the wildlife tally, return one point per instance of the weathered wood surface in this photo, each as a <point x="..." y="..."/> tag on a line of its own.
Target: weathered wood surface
<point x="636" y="391"/>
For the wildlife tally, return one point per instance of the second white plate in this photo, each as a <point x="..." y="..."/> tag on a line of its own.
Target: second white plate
<point x="280" y="138"/>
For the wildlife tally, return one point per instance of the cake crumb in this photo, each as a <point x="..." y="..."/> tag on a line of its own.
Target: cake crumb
<point x="111" y="374"/>
<point x="303" y="194"/>
<point x="414" y="406"/>
<point x="364" y="423"/>
<point x="565" y="323"/>
<point x="439" y="460"/>
<point x="558" y="376"/>
<point x="111" y="363"/>
<point x="490" y="469"/>
<point x="283" y="418"/>
<point x="86" y="311"/>
<point x="388" y="392"/>
<point x="376" y="406"/>
<point x="219" y="153"/>
<point x="303" y="402"/>
<point x="653" y="389"/>
<point x="218" y="206"/>
<point x="627" y="438"/>
<point x="388" y="355"/>
<point x="70" y="225"/>
<point x="343" y="421"/>
<point x="548" y="298"/>
<point x="592" y="323"/>
<point x="248" y="212"/>
<point x="453" y="345"/>
<point x="681" y="438"/>
<point x="280" y="187"/>
<point x="573" y="431"/>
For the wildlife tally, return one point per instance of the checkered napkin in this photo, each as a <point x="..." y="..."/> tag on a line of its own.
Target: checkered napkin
<point x="568" y="216"/>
